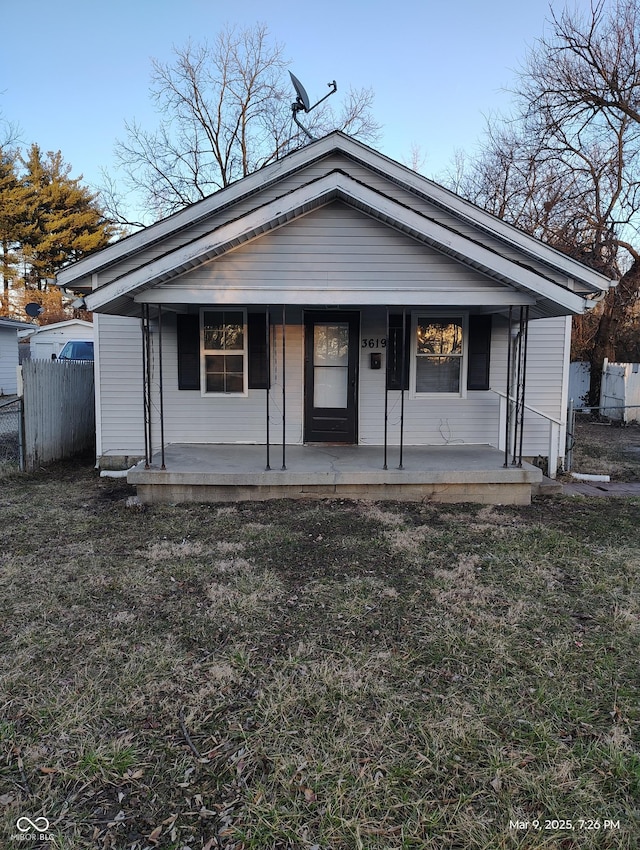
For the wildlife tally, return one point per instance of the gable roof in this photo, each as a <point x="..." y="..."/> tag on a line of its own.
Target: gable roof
<point x="464" y="231"/>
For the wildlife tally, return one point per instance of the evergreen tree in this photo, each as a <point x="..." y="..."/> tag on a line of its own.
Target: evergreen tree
<point x="64" y="222"/>
<point x="14" y="214"/>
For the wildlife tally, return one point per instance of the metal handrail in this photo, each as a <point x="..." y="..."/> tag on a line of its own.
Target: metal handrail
<point x="529" y="407"/>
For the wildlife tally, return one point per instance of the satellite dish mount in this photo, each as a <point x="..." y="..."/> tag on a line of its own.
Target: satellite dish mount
<point x="301" y="103"/>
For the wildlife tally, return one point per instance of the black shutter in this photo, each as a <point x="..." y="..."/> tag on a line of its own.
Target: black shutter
<point x="257" y="341"/>
<point x="188" y="331"/>
<point x="395" y="379"/>
<point x="479" y="352"/>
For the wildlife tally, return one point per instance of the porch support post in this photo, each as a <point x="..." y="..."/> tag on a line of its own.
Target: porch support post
<point x="524" y="339"/>
<point x="144" y="325"/>
<point x="518" y="412"/>
<point x="161" y="386"/>
<point x="268" y="466"/>
<point x="284" y="388"/>
<point x="507" y="427"/>
<point x="404" y="366"/>
<point x="386" y="394"/>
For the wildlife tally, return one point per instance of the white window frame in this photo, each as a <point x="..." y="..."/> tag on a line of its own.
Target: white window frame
<point x="435" y="315"/>
<point x="209" y="351"/>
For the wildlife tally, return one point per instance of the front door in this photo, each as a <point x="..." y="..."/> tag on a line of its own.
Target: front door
<point x="331" y="377"/>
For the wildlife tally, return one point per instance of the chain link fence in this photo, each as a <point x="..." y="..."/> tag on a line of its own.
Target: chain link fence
<point x="11" y="432"/>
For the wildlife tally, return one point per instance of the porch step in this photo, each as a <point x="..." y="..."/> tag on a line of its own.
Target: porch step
<point x="546" y="487"/>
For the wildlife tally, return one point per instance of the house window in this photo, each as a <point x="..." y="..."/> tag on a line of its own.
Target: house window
<point x="439" y="354"/>
<point x="224" y="350"/>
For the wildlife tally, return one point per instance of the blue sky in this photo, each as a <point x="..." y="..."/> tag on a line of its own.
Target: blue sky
<point x="72" y="71"/>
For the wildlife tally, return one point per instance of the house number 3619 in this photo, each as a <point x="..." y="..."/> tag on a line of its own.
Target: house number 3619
<point x="374" y="342"/>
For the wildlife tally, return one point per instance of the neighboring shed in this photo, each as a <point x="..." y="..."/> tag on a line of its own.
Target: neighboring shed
<point x="9" y="354"/>
<point x="49" y="339"/>
<point x="395" y="340"/>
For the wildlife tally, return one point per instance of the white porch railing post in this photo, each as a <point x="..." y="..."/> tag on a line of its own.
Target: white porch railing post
<point x="555" y="427"/>
<point x="554" y="446"/>
<point x="502" y="423"/>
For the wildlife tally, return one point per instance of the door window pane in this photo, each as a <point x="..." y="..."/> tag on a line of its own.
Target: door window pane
<point x="331" y="344"/>
<point x="330" y="364"/>
<point x="330" y="386"/>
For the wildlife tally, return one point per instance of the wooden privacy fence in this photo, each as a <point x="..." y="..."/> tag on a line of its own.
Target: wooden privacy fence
<point x="620" y="391"/>
<point x="59" y="410"/>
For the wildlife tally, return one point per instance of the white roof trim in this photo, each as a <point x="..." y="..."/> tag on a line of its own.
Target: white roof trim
<point x="327" y="188"/>
<point x="335" y="142"/>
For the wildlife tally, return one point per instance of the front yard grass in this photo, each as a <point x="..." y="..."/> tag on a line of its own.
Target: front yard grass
<point x="334" y="675"/>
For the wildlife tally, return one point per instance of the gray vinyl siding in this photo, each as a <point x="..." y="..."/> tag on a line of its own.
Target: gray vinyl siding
<point x="430" y="420"/>
<point x="118" y="363"/>
<point x="548" y="356"/>
<point x="333" y="244"/>
<point x="193" y="418"/>
<point x="8" y="361"/>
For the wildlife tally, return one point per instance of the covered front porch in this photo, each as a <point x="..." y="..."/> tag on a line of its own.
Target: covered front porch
<point x="232" y="473"/>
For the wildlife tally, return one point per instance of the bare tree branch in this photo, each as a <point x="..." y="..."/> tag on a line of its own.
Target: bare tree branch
<point x="224" y="111"/>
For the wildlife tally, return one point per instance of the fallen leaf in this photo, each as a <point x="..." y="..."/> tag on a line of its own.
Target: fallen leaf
<point x="48" y="770"/>
<point x="155" y="835"/>
<point x="310" y="795"/>
<point x="6" y="799"/>
<point x="135" y="774"/>
<point x="496" y="783"/>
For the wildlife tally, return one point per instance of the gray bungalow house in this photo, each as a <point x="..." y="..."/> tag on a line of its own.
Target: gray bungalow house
<point x="332" y="325"/>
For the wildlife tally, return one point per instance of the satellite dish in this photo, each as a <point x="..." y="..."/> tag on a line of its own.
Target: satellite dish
<point x="33" y="309"/>
<point x="303" y="97"/>
<point x="302" y="102"/>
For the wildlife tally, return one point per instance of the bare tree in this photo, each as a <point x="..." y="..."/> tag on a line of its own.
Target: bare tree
<point x="224" y="112"/>
<point x="566" y="165"/>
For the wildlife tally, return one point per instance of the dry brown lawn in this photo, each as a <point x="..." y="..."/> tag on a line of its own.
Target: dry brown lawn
<point x="311" y="675"/>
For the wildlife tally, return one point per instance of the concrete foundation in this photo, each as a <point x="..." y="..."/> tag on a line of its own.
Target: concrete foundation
<point x="231" y="473"/>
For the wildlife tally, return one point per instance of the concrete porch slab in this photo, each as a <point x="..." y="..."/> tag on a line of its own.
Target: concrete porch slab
<point x="223" y="473"/>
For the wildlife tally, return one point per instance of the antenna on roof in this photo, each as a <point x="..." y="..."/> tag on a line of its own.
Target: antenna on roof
<point x="302" y="102"/>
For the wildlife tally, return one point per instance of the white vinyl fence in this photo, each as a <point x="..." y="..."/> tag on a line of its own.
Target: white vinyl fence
<point x="59" y="410"/>
<point x="579" y="379"/>
<point x="620" y="391"/>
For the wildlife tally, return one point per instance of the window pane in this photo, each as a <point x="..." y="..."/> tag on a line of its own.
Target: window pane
<point x="214" y="363"/>
<point x="225" y="373"/>
<point x="234" y="383"/>
<point x="215" y="382"/>
<point x="438" y="374"/>
<point x="439" y="336"/>
<point x="331" y="344"/>
<point x="234" y="330"/>
<point x="224" y="330"/>
<point x="213" y="331"/>
<point x="234" y="363"/>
